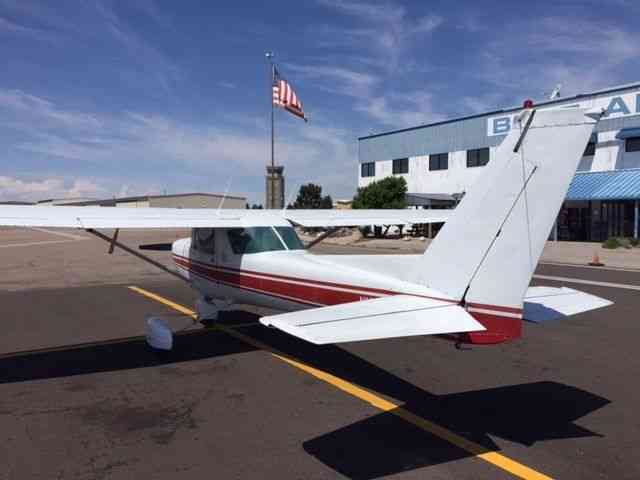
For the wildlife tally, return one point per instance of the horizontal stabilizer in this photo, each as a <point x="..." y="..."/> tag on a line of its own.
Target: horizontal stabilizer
<point x="395" y="316"/>
<point x="542" y="304"/>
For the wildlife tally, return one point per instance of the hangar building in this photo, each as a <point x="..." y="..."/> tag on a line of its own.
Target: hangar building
<point x="181" y="200"/>
<point x="441" y="161"/>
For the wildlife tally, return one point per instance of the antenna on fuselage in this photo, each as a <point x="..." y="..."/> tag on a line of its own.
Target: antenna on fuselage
<point x="224" y="196"/>
<point x="286" y="204"/>
<point x="555" y="93"/>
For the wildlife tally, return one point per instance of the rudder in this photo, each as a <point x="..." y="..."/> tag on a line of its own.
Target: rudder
<point x="485" y="255"/>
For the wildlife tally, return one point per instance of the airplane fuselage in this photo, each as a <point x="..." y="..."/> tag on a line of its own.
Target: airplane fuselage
<point x="286" y="279"/>
<point x="272" y="269"/>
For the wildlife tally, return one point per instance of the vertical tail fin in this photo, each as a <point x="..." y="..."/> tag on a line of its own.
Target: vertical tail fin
<point x="486" y="253"/>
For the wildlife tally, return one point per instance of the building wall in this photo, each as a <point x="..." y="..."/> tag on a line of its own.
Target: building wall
<point x="197" y="201"/>
<point x="133" y="204"/>
<point x="457" y="178"/>
<point x="488" y="130"/>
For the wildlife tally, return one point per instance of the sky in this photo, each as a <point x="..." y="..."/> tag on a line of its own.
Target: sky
<point x="102" y="98"/>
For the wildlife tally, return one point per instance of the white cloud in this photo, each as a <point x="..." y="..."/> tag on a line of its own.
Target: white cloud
<point x="481" y="103"/>
<point x="582" y="55"/>
<point x="151" y="63"/>
<point x="375" y="12"/>
<point x="342" y="80"/>
<point x="9" y="27"/>
<point x="401" y="111"/>
<point x="34" y="107"/>
<point x="394" y="110"/>
<point x="12" y="188"/>
<point x="151" y="10"/>
<point x="387" y="29"/>
<point x="157" y="149"/>
<point x="98" y="21"/>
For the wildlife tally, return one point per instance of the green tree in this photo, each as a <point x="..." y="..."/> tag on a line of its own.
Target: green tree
<point x="386" y="193"/>
<point x="310" y="196"/>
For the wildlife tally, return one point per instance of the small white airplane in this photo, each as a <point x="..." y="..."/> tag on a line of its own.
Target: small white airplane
<point x="472" y="283"/>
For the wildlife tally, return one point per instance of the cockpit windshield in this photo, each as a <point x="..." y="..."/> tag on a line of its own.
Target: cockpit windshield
<point x="263" y="239"/>
<point x="254" y="240"/>
<point x="290" y="237"/>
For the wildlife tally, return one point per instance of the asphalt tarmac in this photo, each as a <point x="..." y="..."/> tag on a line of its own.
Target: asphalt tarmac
<point x="82" y="397"/>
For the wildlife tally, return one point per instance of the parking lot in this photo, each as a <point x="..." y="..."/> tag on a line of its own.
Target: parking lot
<point x="81" y="396"/>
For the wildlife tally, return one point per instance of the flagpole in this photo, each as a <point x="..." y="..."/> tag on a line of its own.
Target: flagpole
<point x="272" y="200"/>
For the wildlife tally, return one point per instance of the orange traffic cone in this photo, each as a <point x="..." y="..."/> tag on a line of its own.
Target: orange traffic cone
<point x="595" y="261"/>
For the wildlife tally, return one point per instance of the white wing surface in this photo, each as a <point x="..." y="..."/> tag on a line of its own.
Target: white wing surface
<point x="549" y="303"/>
<point x="395" y="316"/>
<point x="114" y="217"/>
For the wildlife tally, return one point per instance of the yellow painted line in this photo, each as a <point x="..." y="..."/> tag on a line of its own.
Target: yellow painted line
<point x="477" y="450"/>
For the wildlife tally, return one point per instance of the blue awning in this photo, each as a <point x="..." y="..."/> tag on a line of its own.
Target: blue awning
<point x="611" y="185"/>
<point x="628" y="133"/>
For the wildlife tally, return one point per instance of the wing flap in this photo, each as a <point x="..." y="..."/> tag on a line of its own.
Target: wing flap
<point x="353" y="218"/>
<point x="542" y="304"/>
<point x="395" y="316"/>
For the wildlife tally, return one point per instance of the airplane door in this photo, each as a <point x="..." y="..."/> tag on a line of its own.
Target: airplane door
<point x="203" y="249"/>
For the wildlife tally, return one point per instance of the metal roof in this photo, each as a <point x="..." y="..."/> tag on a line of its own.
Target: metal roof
<point x="611" y="185"/>
<point x="429" y="199"/>
<point x="108" y="202"/>
<point x="628" y="133"/>
<point x="559" y="100"/>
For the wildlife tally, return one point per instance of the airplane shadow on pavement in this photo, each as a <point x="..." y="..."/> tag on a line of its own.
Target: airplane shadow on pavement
<point x="380" y="445"/>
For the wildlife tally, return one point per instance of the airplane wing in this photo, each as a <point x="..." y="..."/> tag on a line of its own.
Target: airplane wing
<point x="394" y="316"/>
<point x="549" y="303"/>
<point x="114" y="217"/>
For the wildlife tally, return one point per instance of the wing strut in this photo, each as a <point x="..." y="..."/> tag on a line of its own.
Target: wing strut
<point x="113" y="242"/>
<point x="114" y="239"/>
<point x="322" y="237"/>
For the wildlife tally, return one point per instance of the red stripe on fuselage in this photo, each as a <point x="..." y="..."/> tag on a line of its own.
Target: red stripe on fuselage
<point x="379" y="291"/>
<point x="202" y="274"/>
<point x="310" y="292"/>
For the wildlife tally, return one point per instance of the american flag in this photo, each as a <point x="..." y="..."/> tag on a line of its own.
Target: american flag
<point x="285" y="97"/>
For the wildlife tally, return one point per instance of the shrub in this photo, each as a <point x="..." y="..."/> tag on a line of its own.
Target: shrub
<point x="624" y="242"/>
<point x="611" y="243"/>
<point x="634" y="242"/>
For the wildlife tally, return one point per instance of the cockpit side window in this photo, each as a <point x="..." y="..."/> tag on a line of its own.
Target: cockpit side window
<point x="203" y="240"/>
<point x="253" y="240"/>
<point x="290" y="238"/>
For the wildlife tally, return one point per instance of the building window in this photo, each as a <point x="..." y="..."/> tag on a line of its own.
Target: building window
<point x="439" y="161"/>
<point x="478" y="157"/>
<point x="632" y="144"/>
<point x="368" y="169"/>
<point x="590" y="151"/>
<point x="400" y="165"/>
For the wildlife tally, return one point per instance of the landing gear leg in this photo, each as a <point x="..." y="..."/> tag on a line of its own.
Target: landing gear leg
<point x="208" y="309"/>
